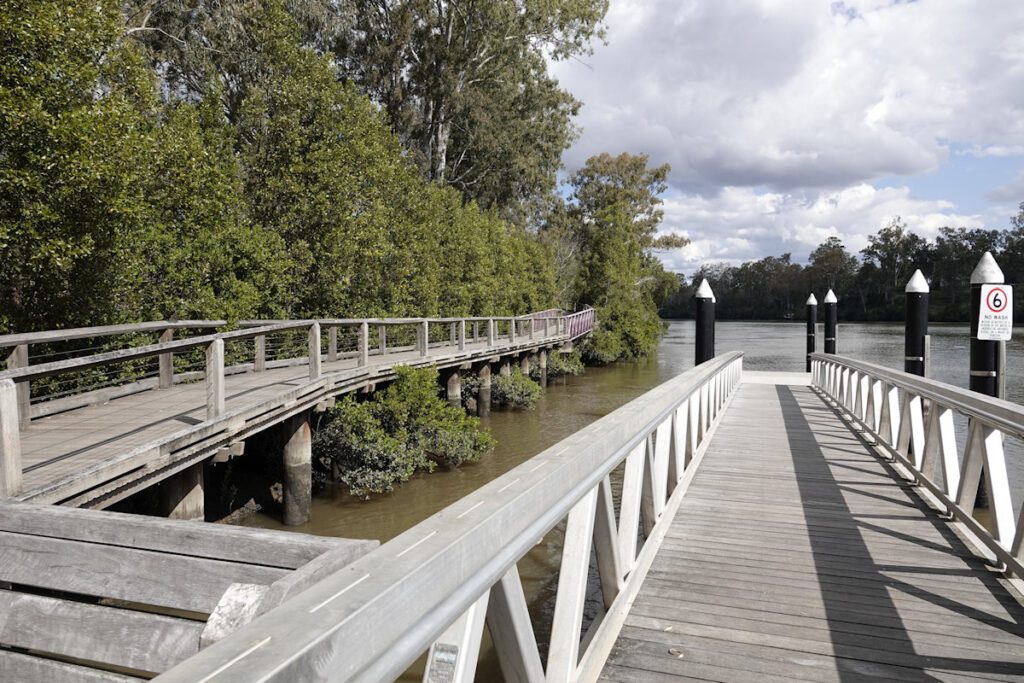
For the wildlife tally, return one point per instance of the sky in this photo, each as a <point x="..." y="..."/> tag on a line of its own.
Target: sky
<point x="786" y="122"/>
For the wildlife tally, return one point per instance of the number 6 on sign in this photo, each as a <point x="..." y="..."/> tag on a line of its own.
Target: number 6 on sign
<point x="995" y="319"/>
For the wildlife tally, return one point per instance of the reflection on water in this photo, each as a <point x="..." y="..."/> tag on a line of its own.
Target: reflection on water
<point x="574" y="402"/>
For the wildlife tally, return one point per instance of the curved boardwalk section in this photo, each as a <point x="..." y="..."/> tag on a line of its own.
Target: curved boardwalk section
<point x="798" y="554"/>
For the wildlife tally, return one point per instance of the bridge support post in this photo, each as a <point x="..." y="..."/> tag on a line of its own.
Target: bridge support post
<point x="505" y="367"/>
<point x="364" y="344"/>
<point x="166" y="361"/>
<point x="524" y="364"/>
<point x="705" y="342"/>
<point x="332" y="343"/>
<point x="812" y="324"/>
<point x="10" y="440"/>
<point x="916" y="325"/>
<point x="298" y="471"/>
<point x="453" y="387"/>
<point x="314" y="350"/>
<point x="424" y="338"/>
<point x="831" y="326"/>
<point x="182" y="495"/>
<point x="542" y="359"/>
<point x="483" y="396"/>
<point x="259" y="363"/>
<point x="215" y="379"/>
<point x="984" y="356"/>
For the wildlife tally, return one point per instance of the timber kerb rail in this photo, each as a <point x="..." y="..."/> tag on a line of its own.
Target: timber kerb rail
<point x="434" y="586"/>
<point x="912" y="418"/>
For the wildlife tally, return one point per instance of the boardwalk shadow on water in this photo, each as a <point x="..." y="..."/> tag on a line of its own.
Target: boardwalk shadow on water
<point x="900" y="599"/>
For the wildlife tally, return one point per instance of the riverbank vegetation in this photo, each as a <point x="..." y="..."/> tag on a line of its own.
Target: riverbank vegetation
<point x="375" y="444"/>
<point x="305" y="158"/>
<point x="869" y="285"/>
<point x="560" y="364"/>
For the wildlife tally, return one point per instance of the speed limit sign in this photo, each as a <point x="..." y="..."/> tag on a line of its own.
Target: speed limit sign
<point x="995" y="320"/>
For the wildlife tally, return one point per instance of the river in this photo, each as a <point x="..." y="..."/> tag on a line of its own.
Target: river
<point x="574" y="402"/>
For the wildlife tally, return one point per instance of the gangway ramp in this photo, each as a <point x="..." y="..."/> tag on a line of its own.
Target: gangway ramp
<point x="800" y="554"/>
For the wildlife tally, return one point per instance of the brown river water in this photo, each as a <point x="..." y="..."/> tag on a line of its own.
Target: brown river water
<point x="571" y="403"/>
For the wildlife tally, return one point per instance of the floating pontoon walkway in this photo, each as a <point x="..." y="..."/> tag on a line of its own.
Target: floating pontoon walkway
<point x="797" y="553"/>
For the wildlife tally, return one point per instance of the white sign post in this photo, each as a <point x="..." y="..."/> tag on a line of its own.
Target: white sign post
<point x="995" y="320"/>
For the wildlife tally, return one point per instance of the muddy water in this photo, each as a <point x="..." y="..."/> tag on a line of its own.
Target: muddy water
<point x="572" y="403"/>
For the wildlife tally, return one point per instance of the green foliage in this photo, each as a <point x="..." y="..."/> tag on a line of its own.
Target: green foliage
<point x="408" y="427"/>
<point x="515" y="390"/>
<point x="466" y="87"/>
<point x="270" y="189"/>
<point x="602" y="242"/>
<point x="559" y="365"/>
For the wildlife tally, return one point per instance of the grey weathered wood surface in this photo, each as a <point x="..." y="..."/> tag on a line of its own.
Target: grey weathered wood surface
<point x="796" y="555"/>
<point x="95" y="455"/>
<point x="112" y="590"/>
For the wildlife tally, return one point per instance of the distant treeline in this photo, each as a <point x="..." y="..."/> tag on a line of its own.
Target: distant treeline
<point x="869" y="287"/>
<point x="297" y="158"/>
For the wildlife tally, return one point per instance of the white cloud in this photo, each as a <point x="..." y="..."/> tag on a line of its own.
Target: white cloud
<point x="777" y="116"/>
<point x="790" y="94"/>
<point x="738" y="224"/>
<point x="1012" y="191"/>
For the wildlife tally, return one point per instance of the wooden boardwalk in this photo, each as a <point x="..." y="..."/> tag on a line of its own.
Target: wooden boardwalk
<point x="93" y="456"/>
<point x="798" y="555"/>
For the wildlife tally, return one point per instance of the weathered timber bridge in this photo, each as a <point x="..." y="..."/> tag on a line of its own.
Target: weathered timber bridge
<point x="727" y="525"/>
<point x="92" y="448"/>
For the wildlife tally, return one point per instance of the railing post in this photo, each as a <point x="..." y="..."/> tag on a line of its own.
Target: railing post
<point x="215" y="379"/>
<point x="476" y="330"/>
<point x="452" y="333"/>
<point x="831" y="306"/>
<point x="544" y="328"/>
<point x="512" y="330"/>
<point x="260" y="359"/>
<point x="332" y="343"/>
<point x="18" y="358"/>
<point x="364" y="343"/>
<point x="491" y="330"/>
<point x="530" y="322"/>
<point x="812" y="324"/>
<point x="382" y="338"/>
<point x="915" y="325"/>
<point x="314" y="350"/>
<point x="462" y="335"/>
<point x="10" y="440"/>
<point x="166" y="361"/>
<point x="424" y="338"/>
<point x="705" y="302"/>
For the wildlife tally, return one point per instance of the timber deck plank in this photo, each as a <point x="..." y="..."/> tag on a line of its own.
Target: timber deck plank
<point x="797" y="555"/>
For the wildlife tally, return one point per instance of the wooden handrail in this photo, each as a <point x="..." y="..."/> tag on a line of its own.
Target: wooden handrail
<point x="434" y="583"/>
<point x="49" y="336"/>
<point x="57" y="367"/>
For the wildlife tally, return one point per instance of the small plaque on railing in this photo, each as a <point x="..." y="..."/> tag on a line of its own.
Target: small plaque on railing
<point x="443" y="661"/>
